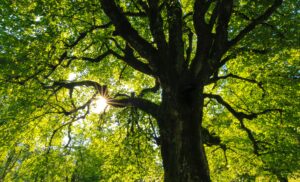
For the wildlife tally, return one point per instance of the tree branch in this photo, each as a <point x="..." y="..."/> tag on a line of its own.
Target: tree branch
<point x="124" y="29"/>
<point x="101" y="89"/>
<point x="241" y="116"/>
<point x="239" y="50"/>
<point x="204" y="37"/>
<point x="132" y="61"/>
<point x="82" y="35"/>
<point x="129" y="58"/>
<point x="256" y="22"/>
<point x="215" y="79"/>
<point x="221" y="37"/>
<point x="152" y="89"/>
<point x="242" y="15"/>
<point x="143" y="104"/>
<point x="189" y="48"/>
<point x="176" y="46"/>
<point x="156" y="25"/>
<point x="96" y="59"/>
<point x="140" y="103"/>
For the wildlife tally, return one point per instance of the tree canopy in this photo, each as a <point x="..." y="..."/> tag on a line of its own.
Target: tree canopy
<point x="232" y="65"/>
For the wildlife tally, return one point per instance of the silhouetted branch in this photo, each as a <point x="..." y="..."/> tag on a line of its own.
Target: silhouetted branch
<point x="124" y="29"/>
<point x="256" y="22"/>
<point x="101" y="89"/>
<point x="215" y="79"/>
<point x="241" y="116"/>
<point x="156" y="24"/>
<point x="143" y="104"/>
<point x="153" y="89"/>
<point x="240" y="50"/>
<point x="221" y="37"/>
<point x="96" y="59"/>
<point x="204" y="36"/>
<point x="242" y="15"/>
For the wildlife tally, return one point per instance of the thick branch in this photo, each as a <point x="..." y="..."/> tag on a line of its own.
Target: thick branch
<point x="214" y="15"/>
<point x="204" y="36"/>
<point x="176" y="47"/>
<point x="152" y="89"/>
<point x="143" y="104"/>
<point x="210" y="138"/>
<point x="132" y="61"/>
<point x="256" y="22"/>
<point x="156" y="24"/>
<point x="190" y="47"/>
<point x="221" y="36"/>
<point x="200" y="8"/>
<point x="124" y="29"/>
<point x="140" y="103"/>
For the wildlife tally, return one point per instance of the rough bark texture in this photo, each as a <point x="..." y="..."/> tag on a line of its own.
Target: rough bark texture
<point x="180" y="122"/>
<point x="181" y="144"/>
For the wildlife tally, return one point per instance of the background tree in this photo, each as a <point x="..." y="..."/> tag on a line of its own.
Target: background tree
<point x="212" y="83"/>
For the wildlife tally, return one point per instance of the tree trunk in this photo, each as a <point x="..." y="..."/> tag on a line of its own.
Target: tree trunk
<point x="182" y="149"/>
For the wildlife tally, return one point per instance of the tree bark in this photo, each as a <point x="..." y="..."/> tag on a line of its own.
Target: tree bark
<point x="182" y="148"/>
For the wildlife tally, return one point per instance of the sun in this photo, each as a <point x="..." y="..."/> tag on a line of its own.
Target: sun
<point x="99" y="105"/>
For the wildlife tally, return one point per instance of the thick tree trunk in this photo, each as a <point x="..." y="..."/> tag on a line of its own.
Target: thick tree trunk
<point x="182" y="149"/>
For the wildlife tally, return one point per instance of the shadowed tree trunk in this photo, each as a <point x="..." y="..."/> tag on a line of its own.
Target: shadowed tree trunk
<point x="181" y="142"/>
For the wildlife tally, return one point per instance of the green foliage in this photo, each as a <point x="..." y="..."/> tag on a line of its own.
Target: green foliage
<point x="38" y="142"/>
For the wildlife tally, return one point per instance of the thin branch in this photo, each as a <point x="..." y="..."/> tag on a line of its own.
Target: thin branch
<point x="69" y="136"/>
<point x="244" y="16"/>
<point x="82" y="35"/>
<point x="239" y="50"/>
<point x="241" y="116"/>
<point x="55" y="131"/>
<point x="256" y="22"/>
<point x="215" y="79"/>
<point x="102" y="89"/>
<point x="96" y="59"/>
<point x="154" y="135"/>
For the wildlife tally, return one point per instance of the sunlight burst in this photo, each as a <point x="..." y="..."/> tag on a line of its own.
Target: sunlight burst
<point x="99" y="105"/>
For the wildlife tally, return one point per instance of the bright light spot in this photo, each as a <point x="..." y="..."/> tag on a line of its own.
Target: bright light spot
<point x="99" y="105"/>
<point x="38" y="18"/>
<point x="72" y="76"/>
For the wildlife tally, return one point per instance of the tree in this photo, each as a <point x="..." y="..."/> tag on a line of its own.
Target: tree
<point x="215" y="66"/>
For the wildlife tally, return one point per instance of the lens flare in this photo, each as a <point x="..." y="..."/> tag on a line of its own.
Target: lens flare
<point x="99" y="105"/>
